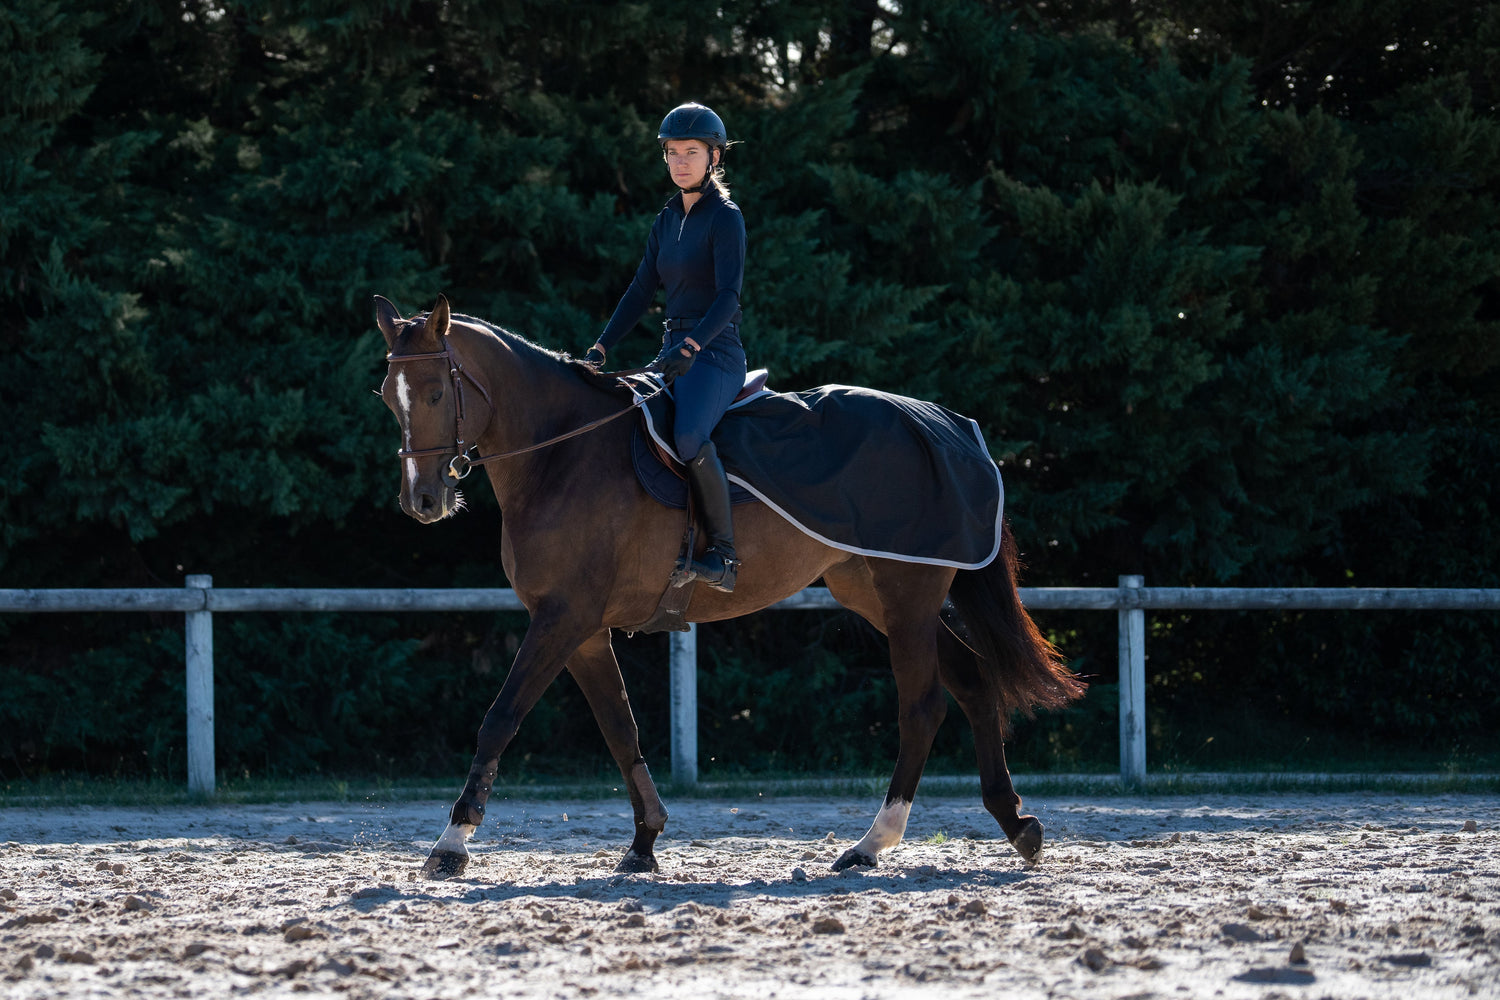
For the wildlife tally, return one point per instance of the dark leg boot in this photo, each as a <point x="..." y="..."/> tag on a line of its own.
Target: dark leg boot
<point x="718" y="566"/>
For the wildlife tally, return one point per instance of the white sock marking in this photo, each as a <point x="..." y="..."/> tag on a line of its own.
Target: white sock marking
<point x="454" y="837"/>
<point x="887" y="830"/>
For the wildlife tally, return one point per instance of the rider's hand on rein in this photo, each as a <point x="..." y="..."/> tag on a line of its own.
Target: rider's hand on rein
<point x="676" y="361"/>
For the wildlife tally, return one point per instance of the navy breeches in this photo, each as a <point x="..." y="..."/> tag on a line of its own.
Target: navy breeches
<point x="702" y="396"/>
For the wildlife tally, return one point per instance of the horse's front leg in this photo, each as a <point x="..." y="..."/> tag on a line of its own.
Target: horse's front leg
<point x="549" y="642"/>
<point x="597" y="672"/>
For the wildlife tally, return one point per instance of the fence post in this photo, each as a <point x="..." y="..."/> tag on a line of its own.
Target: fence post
<point x="200" y="691"/>
<point x="685" y="706"/>
<point x="1132" y="684"/>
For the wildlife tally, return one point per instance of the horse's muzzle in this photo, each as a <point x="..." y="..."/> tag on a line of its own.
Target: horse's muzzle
<point x="429" y="504"/>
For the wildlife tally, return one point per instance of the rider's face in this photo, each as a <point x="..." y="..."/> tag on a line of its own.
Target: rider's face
<point x="687" y="161"/>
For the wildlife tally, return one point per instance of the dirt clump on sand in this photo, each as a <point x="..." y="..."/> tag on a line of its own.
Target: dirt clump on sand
<point x="1368" y="895"/>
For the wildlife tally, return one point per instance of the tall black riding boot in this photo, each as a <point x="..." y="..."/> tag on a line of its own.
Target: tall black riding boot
<point x="718" y="566"/>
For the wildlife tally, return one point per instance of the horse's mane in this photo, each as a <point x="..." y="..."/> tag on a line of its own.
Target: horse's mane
<point x="527" y="348"/>
<point x="514" y="340"/>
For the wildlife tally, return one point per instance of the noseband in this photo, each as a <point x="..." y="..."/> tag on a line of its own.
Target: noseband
<point x="463" y="462"/>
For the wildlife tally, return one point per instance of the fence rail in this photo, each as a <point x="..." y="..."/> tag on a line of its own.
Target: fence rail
<point x="199" y="600"/>
<point x="1124" y="597"/>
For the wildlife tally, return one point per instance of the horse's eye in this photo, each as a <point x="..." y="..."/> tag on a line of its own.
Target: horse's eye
<point x="437" y="394"/>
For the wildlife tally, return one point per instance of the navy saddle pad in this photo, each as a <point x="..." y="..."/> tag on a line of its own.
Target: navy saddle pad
<point x="865" y="471"/>
<point x="666" y="485"/>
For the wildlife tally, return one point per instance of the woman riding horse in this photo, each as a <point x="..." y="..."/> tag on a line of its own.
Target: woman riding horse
<point x="696" y="251"/>
<point x="586" y="548"/>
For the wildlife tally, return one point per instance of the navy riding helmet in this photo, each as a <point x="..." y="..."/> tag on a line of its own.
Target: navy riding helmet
<point x="693" y="121"/>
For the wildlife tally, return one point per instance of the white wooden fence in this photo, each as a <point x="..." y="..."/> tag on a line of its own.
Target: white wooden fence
<point x="199" y="600"/>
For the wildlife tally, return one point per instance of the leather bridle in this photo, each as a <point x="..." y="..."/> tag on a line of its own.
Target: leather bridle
<point x="463" y="462"/>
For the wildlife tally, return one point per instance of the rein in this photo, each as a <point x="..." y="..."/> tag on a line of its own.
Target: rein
<point x="463" y="463"/>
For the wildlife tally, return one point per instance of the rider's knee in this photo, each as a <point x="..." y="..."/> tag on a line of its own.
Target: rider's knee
<point x="689" y="443"/>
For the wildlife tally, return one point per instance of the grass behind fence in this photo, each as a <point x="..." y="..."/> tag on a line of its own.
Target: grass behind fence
<point x="149" y="793"/>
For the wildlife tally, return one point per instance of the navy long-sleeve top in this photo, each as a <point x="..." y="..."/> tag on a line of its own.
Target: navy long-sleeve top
<point x="698" y="257"/>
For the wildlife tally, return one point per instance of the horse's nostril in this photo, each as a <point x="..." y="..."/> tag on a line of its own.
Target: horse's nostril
<point x="426" y="502"/>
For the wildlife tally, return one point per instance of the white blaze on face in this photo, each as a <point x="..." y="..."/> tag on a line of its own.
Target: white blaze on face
<point x="888" y="828"/>
<point x="403" y="398"/>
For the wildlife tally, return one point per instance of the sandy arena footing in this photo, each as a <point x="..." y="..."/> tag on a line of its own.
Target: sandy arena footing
<point x="1365" y="895"/>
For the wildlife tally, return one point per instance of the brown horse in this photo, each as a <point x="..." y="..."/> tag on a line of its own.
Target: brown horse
<point x="587" y="550"/>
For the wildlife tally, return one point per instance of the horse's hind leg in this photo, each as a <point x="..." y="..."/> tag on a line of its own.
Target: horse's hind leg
<point x="909" y="599"/>
<point x="960" y="675"/>
<point x="597" y="672"/>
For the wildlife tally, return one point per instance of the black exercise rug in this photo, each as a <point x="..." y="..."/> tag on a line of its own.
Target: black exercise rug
<point x="865" y="471"/>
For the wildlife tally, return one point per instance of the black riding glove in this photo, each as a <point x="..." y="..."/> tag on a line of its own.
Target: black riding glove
<point x="594" y="358"/>
<point x="676" y="360"/>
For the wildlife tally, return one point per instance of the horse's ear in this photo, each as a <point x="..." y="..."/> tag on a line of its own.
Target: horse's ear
<point x="388" y="319"/>
<point x="439" y="319"/>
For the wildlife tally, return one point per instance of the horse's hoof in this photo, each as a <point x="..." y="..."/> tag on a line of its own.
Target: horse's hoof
<point x="854" y="856"/>
<point x="637" y="864"/>
<point x="442" y="865"/>
<point x="1028" y="843"/>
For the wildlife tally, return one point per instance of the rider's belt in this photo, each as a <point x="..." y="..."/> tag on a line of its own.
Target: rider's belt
<point x="669" y="325"/>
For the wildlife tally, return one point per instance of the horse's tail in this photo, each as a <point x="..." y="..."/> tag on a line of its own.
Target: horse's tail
<point x="1017" y="665"/>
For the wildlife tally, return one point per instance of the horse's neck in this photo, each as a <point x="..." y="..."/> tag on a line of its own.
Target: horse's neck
<point x="532" y="397"/>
